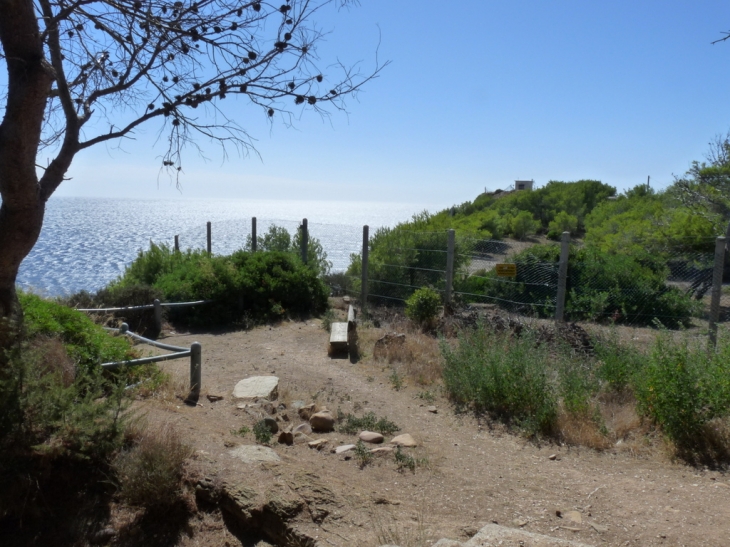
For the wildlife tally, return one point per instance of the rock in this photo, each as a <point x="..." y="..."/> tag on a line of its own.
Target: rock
<point x="344" y="448"/>
<point x="303" y="428"/>
<point x="432" y="409"/>
<point x="269" y="408"/>
<point x="573" y="516"/>
<point x="387" y="343"/>
<point x="282" y="406"/>
<point x="307" y="411"/>
<point x="382" y="450"/>
<point x="404" y="440"/>
<point x="494" y="534"/>
<point x="448" y="543"/>
<point x="553" y="457"/>
<point x="318" y="444"/>
<point x="254" y="454"/>
<point x="286" y="437"/>
<point x="257" y="387"/>
<point x="322" y="421"/>
<point x="371" y="437"/>
<point x="272" y="425"/>
<point x="301" y="438"/>
<point x="102" y="536"/>
<point x="599" y="528"/>
<point x="346" y="299"/>
<point x="213" y="397"/>
<point x="520" y="522"/>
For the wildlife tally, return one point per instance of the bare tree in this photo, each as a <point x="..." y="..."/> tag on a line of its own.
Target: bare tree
<point x="123" y="63"/>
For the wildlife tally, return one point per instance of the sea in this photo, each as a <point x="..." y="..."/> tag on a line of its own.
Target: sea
<point x="88" y="242"/>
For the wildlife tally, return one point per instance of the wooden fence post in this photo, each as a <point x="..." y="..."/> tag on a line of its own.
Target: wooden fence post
<point x="253" y="234"/>
<point x="209" y="238"/>
<point x="716" y="289"/>
<point x="449" y="270"/>
<point x="177" y="244"/>
<point x="562" y="277"/>
<point x="364" y="272"/>
<point x="196" y="372"/>
<point x="305" y="240"/>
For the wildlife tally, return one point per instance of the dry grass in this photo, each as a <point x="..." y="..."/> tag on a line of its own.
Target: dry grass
<point x="53" y="359"/>
<point x="151" y="472"/>
<point x="408" y="532"/>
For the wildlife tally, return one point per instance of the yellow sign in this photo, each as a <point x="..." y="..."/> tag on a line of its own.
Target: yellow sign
<point x="506" y="270"/>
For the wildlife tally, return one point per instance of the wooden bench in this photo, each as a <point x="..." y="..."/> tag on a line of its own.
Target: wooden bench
<point x="340" y="332"/>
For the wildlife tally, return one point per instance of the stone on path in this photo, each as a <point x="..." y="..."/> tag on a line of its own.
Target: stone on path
<point x="257" y="387"/>
<point x="213" y="397"/>
<point x="344" y="448"/>
<point x="318" y="444"/>
<point x="382" y="450"/>
<point x="254" y="454"/>
<point x="306" y="411"/>
<point x="322" y="421"/>
<point x="432" y="409"/>
<point x="493" y="535"/>
<point x="286" y="437"/>
<point x="404" y="440"/>
<point x="301" y="438"/>
<point x="371" y="437"/>
<point x="303" y="428"/>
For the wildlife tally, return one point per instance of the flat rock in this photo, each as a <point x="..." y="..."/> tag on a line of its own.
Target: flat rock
<point x="492" y="535"/>
<point x="318" y="444"/>
<point x="303" y="428"/>
<point x="432" y="409"/>
<point x="213" y="397"/>
<point x="344" y="448"/>
<point x="382" y="450"/>
<point x="404" y="440"/>
<point x="254" y="454"/>
<point x="371" y="437"/>
<point x="257" y="387"/>
<point x="322" y="421"/>
<point x="301" y="438"/>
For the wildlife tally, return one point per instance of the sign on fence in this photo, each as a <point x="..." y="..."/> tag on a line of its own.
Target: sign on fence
<point x="506" y="270"/>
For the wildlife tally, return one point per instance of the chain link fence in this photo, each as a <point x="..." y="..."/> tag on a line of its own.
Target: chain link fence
<point x="645" y="286"/>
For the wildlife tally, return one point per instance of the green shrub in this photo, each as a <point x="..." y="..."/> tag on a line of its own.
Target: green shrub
<point x="363" y="456"/>
<point x="369" y="422"/>
<point x="683" y="387"/>
<point x="86" y="343"/>
<point x="506" y="377"/>
<point x="618" y="363"/>
<point x="240" y="288"/>
<point x="49" y="406"/>
<point x="423" y="306"/>
<point x="262" y="432"/>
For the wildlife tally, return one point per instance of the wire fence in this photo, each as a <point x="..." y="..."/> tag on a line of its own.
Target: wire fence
<point x="643" y="286"/>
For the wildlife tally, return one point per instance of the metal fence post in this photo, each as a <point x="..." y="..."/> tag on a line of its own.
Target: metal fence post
<point x="364" y="272"/>
<point x="716" y="289"/>
<point x="196" y="368"/>
<point x="209" y="238"/>
<point x="177" y="244"/>
<point x="253" y="234"/>
<point x="305" y="240"/>
<point x="449" y="269"/>
<point x="158" y="314"/>
<point x="562" y="276"/>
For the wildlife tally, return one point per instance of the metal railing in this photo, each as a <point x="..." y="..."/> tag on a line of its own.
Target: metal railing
<point x="195" y="353"/>
<point x="156" y="305"/>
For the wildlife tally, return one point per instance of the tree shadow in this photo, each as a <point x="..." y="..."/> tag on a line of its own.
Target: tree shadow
<point x="159" y="527"/>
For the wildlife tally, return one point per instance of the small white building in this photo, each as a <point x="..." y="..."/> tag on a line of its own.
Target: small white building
<point x="524" y="185"/>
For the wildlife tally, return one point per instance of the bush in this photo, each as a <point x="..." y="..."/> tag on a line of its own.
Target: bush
<point x="240" y="288"/>
<point x="150" y="473"/>
<point x="423" y="306"/>
<point x="683" y="387"/>
<point x="505" y="377"/>
<point x="86" y="343"/>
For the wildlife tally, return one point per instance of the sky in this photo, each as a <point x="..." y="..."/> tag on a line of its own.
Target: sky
<point x="477" y="94"/>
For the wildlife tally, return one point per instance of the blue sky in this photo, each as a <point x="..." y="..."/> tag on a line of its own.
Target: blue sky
<point x="478" y="94"/>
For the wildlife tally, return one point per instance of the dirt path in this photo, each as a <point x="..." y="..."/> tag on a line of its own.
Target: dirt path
<point x="474" y="476"/>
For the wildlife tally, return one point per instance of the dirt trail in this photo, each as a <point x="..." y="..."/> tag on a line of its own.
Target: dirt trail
<point x="474" y="475"/>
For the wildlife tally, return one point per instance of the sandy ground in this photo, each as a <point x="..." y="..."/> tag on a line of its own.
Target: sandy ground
<point x="472" y="474"/>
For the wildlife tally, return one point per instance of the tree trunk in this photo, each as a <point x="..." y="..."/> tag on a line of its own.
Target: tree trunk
<point x="23" y="203"/>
